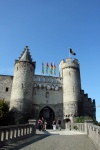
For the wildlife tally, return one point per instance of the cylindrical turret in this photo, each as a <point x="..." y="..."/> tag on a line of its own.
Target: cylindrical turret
<point x="22" y="87"/>
<point x="70" y="72"/>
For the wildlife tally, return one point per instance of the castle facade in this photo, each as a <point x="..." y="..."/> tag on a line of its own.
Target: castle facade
<point x="46" y="96"/>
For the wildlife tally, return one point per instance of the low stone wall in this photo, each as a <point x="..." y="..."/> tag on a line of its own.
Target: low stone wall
<point x="75" y="126"/>
<point x="10" y="134"/>
<point x="93" y="132"/>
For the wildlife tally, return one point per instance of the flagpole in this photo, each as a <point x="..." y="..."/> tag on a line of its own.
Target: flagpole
<point x="69" y="52"/>
<point x="53" y="67"/>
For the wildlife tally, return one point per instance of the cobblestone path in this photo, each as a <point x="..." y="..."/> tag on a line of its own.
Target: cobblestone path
<point x="54" y="142"/>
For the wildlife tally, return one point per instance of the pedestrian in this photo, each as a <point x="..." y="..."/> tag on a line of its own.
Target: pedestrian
<point x="45" y="125"/>
<point x="39" y="124"/>
<point x="59" y="124"/>
<point x="54" y="125"/>
<point x="70" y="127"/>
<point x="42" y="125"/>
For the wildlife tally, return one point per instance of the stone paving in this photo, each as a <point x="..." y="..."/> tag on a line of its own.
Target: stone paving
<point x="54" y="140"/>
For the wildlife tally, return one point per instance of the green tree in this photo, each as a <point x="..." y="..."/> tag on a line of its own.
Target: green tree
<point x="81" y="119"/>
<point x="4" y="112"/>
<point x="96" y="123"/>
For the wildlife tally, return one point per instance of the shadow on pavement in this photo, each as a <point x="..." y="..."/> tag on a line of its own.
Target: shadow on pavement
<point x="20" y="144"/>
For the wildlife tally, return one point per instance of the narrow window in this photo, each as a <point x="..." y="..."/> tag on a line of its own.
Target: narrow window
<point x="44" y="79"/>
<point x="7" y="89"/>
<point x="73" y="88"/>
<point x="47" y="94"/>
<point x="34" y="92"/>
<point x="22" y="85"/>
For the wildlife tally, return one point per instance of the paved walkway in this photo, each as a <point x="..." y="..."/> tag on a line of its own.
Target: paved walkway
<point x="54" y="140"/>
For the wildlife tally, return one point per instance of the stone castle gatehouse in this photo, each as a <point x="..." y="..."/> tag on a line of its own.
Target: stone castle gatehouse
<point x="48" y="96"/>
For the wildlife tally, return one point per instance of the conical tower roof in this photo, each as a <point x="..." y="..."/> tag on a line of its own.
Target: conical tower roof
<point x="25" y="56"/>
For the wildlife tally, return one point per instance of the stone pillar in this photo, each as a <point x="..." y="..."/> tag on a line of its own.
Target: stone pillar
<point x="86" y="123"/>
<point x="33" y="122"/>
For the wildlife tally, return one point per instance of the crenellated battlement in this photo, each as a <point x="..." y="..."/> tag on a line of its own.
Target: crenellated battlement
<point x="47" y="79"/>
<point x="69" y="63"/>
<point x="86" y="98"/>
<point x="49" y="82"/>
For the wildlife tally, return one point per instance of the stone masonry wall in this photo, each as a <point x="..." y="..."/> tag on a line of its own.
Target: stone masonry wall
<point x="21" y="96"/>
<point x="47" y="90"/>
<point x="5" y="87"/>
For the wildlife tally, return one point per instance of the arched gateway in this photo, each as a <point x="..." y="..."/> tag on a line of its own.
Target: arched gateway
<point x="48" y="114"/>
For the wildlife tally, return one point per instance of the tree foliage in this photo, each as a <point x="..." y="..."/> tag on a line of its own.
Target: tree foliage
<point x="96" y="123"/>
<point x="81" y="119"/>
<point x="4" y="112"/>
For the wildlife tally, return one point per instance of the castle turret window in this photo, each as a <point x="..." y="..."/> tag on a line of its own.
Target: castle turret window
<point x="7" y="89"/>
<point x="73" y="89"/>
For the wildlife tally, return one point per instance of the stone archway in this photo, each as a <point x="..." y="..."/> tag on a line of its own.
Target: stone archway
<point x="67" y="120"/>
<point x="48" y="114"/>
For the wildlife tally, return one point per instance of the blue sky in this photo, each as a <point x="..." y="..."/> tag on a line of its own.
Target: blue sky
<point x="49" y="28"/>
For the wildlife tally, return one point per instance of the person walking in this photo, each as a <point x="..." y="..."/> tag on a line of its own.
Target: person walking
<point x="42" y="125"/>
<point x="45" y="125"/>
<point x="54" y="125"/>
<point x="39" y="124"/>
<point x="59" y="124"/>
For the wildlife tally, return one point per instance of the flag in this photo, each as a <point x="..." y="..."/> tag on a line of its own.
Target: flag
<point x="47" y="66"/>
<point x="51" y="68"/>
<point x="54" y="69"/>
<point x="42" y="68"/>
<point x="72" y="52"/>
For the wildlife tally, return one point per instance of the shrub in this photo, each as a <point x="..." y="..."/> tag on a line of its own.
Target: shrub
<point x="4" y="112"/>
<point x="81" y="119"/>
<point x="75" y="127"/>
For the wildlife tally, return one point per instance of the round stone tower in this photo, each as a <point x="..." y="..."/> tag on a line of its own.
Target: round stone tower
<point x="22" y="87"/>
<point x="70" y="72"/>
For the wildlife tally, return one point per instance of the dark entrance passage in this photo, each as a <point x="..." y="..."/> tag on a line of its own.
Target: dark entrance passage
<point x="67" y="120"/>
<point x="48" y="114"/>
